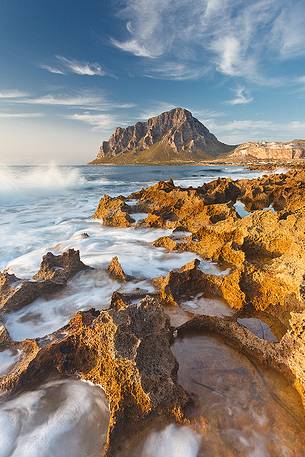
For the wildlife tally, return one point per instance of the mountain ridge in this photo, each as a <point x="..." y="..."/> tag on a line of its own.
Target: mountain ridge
<point x="170" y="137"/>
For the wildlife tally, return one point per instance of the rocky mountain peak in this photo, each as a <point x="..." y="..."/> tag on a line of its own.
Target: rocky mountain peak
<point x="174" y="135"/>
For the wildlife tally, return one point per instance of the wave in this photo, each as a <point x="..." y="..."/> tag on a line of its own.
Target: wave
<point x="21" y="182"/>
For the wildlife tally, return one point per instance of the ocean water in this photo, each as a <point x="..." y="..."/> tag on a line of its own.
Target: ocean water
<point x="43" y="206"/>
<point x="49" y="208"/>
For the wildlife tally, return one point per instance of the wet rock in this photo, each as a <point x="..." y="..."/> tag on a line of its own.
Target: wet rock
<point x="54" y="273"/>
<point x="4" y="336"/>
<point x="124" y="350"/>
<point x="116" y="271"/>
<point x="189" y="281"/>
<point x="59" y="268"/>
<point x="113" y="211"/>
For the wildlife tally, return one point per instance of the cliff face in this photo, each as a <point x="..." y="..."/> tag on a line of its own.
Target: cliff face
<point x="172" y="136"/>
<point x="270" y="151"/>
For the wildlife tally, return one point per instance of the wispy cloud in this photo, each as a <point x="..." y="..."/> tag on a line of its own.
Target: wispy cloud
<point x="15" y="93"/>
<point x="64" y="100"/>
<point x="64" y="65"/>
<point x="20" y="115"/>
<point x="176" y="71"/>
<point x="104" y="122"/>
<point x="233" y="36"/>
<point x="241" y="97"/>
<point x="50" y="69"/>
<point x="82" y="68"/>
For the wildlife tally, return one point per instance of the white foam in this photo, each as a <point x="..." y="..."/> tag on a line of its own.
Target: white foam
<point x="8" y="359"/>
<point x="63" y="418"/>
<point x="172" y="441"/>
<point x="88" y="289"/>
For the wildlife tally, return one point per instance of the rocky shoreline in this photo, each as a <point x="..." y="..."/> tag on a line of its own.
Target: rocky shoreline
<point x="259" y="260"/>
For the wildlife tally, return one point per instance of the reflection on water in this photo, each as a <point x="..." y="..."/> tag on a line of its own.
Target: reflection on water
<point x="249" y="410"/>
<point x="62" y="418"/>
<point x="258" y="327"/>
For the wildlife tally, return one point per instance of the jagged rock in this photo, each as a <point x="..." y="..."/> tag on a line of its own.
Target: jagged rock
<point x="124" y="350"/>
<point x="54" y="273"/>
<point x="116" y="271"/>
<point x="4" y="336"/>
<point x="59" y="268"/>
<point x="172" y="136"/>
<point x="189" y="281"/>
<point x="113" y="211"/>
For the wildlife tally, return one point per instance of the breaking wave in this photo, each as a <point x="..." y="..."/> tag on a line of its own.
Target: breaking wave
<point x="22" y="182"/>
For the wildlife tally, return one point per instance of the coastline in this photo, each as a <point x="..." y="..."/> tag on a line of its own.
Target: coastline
<point x="243" y="286"/>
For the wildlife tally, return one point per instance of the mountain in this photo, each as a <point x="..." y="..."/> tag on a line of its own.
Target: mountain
<point x="173" y="136"/>
<point x="270" y="150"/>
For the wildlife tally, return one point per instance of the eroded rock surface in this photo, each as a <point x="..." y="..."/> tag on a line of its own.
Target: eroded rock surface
<point x="116" y="271"/>
<point x="126" y="350"/>
<point x="54" y="273"/>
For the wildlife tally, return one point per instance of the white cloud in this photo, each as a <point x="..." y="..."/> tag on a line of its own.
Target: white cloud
<point x="234" y="36"/>
<point x="15" y="93"/>
<point x="133" y="47"/>
<point x="105" y="122"/>
<point x="20" y="115"/>
<point x="79" y="100"/>
<point x="50" y="69"/>
<point x="241" y="97"/>
<point x="288" y="30"/>
<point x="82" y="68"/>
<point x="176" y="71"/>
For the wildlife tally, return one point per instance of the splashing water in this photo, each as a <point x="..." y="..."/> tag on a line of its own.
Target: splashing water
<point x="30" y="182"/>
<point x="172" y="441"/>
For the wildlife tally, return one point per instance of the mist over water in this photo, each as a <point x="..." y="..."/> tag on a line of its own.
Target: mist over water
<point x="50" y="208"/>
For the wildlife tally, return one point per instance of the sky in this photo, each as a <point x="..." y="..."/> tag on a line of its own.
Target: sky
<point x="71" y="71"/>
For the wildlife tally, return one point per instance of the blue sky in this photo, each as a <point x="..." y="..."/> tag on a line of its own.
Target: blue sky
<point x="71" y="71"/>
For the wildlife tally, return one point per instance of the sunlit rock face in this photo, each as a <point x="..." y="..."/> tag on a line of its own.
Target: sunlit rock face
<point x="268" y="150"/>
<point x="217" y="315"/>
<point x="172" y="136"/>
<point x="125" y="350"/>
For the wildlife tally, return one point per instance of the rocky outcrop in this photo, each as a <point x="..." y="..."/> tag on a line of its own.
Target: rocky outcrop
<point x="53" y="274"/>
<point x="264" y="250"/>
<point x="270" y="151"/>
<point x="125" y="350"/>
<point x="113" y="211"/>
<point x="189" y="280"/>
<point x="172" y="136"/>
<point x="116" y="271"/>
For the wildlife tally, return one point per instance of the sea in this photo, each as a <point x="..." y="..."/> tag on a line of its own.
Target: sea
<point x="49" y="208"/>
